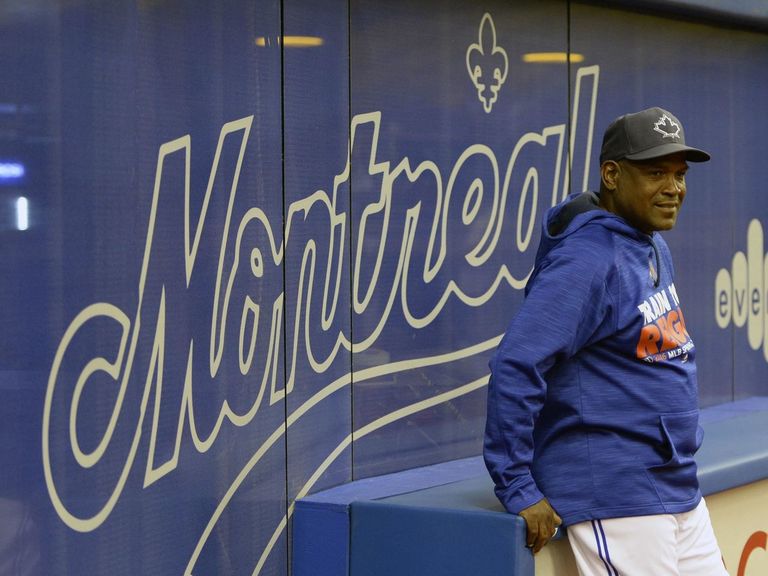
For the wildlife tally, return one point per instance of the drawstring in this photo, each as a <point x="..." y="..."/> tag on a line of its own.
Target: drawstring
<point x="657" y="280"/>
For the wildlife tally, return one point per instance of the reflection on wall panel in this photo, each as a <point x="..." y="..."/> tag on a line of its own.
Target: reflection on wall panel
<point x="458" y="146"/>
<point x="136" y="369"/>
<point x="317" y="313"/>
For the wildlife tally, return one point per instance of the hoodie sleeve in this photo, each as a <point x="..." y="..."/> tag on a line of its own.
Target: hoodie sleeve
<point x="568" y="306"/>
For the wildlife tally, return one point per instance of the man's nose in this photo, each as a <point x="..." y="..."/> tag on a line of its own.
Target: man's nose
<point x="674" y="185"/>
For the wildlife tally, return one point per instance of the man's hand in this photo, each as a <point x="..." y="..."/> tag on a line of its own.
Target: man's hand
<point x="542" y="521"/>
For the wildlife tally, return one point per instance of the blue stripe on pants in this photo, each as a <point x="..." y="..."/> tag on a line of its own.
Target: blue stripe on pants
<point x="602" y="548"/>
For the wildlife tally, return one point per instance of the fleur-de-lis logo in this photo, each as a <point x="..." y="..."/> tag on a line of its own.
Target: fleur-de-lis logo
<point x="667" y="127"/>
<point x="487" y="64"/>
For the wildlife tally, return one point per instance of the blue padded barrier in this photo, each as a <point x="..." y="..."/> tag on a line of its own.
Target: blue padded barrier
<point x="320" y="538"/>
<point x="735" y="448"/>
<point x="321" y="522"/>
<point x="445" y="519"/>
<point x="390" y="538"/>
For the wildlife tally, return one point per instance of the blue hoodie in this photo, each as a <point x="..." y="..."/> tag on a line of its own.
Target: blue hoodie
<point x="592" y="400"/>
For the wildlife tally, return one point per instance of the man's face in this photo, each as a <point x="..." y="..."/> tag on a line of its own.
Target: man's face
<point x="649" y="193"/>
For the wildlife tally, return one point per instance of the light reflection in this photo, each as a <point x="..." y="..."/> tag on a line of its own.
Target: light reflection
<point x="291" y="41"/>
<point x="552" y="57"/>
<point x="11" y="170"/>
<point x="22" y="213"/>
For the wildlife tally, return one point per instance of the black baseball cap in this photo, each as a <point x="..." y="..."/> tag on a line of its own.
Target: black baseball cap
<point x="647" y="134"/>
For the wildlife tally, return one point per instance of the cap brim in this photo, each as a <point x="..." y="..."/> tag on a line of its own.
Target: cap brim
<point x="691" y="154"/>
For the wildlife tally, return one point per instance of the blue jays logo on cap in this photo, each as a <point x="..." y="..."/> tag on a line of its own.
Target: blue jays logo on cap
<point x="667" y="127"/>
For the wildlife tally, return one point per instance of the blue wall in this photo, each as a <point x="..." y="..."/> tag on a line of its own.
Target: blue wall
<point x="247" y="268"/>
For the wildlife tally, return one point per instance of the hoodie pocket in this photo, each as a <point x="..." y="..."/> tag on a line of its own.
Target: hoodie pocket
<point x="675" y="477"/>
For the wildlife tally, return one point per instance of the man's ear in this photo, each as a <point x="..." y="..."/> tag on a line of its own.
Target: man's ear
<point x="609" y="173"/>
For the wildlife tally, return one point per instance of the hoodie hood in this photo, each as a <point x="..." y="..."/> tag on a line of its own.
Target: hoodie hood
<point x="579" y="210"/>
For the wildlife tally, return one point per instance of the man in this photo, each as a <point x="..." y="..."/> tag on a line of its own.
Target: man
<point x="592" y="401"/>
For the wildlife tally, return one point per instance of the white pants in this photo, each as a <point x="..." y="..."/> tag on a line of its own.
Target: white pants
<point x="661" y="545"/>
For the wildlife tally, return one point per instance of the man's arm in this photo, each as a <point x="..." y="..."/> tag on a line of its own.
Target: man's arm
<point x="567" y="307"/>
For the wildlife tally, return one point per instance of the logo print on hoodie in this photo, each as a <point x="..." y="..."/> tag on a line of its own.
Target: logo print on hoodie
<point x="664" y="335"/>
